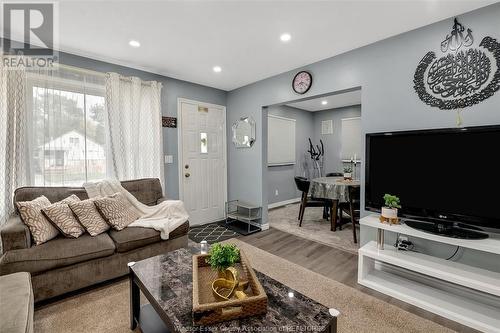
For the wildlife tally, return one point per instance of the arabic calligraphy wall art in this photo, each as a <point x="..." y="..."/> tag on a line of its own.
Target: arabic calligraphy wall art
<point x="463" y="76"/>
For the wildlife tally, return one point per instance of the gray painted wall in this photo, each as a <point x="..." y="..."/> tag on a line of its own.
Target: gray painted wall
<point x="172" y="89"/>
<point x="385" y="71"/>
<point x="281" y="178"/>
<point x="333" y="145"/>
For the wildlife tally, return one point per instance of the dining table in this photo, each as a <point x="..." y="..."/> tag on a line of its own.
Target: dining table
<point x="335" y="189"/>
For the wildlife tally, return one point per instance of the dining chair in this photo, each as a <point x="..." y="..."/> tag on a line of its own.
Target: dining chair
<point x="305" y="201"/>
<point x="334" y="174"/>
<point x="353" y="208"/>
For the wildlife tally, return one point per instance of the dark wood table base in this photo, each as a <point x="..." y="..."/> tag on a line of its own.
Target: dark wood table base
<point x="333" y="215"/>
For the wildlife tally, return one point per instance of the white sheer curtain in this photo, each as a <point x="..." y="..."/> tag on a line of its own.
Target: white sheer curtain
<point x="14" y="160"/>
<point x="52" y="129"/>
<point x="135" y="131"/>
<point x="66" y="126"/>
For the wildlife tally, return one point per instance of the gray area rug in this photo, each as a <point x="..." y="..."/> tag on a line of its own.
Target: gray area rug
<point x="314" y="227"/>
<point x="106" y="308"/>
<point x="212" y="233"/>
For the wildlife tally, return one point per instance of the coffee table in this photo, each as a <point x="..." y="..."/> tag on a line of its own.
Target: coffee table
<point x="166" y="282"/>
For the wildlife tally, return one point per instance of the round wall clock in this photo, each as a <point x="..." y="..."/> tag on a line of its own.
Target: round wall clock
<point x="302" y="82"/>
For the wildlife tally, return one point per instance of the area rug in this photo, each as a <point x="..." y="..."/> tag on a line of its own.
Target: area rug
<point x="314" y="227"/>
<point x="106" y="309"/>
<point x="212" y="233"/>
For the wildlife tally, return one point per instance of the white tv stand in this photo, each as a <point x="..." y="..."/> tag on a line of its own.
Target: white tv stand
<point x="463" y="293"/>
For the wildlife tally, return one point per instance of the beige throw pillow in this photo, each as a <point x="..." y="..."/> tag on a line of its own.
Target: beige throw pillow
<point x="31" y="214"/>
<point x="115" y="211"/>
<point x="89" y="217"/>
<point x="62" y="217"/>
<point x="70" y="199"/>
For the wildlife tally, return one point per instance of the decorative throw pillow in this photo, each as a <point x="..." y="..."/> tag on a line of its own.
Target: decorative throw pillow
<point x="63" y="218"/>
<point x="31" y="214"/>
<point x="70" y="199"/>
<point x="88" y="216"/>
<point x="115" y="211"/>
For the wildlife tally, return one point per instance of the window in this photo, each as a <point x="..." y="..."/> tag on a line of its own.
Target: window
<point x="204" y="143"/>
<point x="351" y="138"/>
<point x="68" y="143"/>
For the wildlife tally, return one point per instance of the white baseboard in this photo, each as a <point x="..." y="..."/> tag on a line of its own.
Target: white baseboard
<point x="283" y="203"/>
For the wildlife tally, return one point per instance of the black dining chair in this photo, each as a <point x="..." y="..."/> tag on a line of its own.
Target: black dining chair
<point x="305" y="201"/>
<point x="335" y="174"/>
<point x="352" y="208"/>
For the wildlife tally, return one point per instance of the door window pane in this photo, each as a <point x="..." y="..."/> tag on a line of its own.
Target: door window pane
<point x="204" y="143"/>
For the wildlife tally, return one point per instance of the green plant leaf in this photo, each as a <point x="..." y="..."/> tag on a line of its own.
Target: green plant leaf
<point x="222" y="256"/>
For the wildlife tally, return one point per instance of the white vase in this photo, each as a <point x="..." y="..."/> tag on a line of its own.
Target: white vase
<point x="347" y="175"/>
<point x="390" y="213"/>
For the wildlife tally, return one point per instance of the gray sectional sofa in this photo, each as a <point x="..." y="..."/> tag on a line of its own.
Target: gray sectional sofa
<point x="65" y="264"/>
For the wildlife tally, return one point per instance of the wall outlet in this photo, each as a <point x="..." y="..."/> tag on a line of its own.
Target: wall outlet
<point x="276" y="193"/>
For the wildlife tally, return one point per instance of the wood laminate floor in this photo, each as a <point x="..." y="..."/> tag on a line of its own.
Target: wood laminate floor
<point x="333" y="263"/>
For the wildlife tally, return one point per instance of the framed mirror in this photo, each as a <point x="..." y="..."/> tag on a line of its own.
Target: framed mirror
<point x="244" y="132"/>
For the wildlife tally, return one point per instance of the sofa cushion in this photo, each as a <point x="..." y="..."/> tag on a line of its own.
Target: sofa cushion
<point x="16" y="305"/>
<point x="135" y="237"/>
<point x="115" y="211"/>
<point x="40" y="227"/>
<point x="58" y="252"/>
<point x="88" y="216"/>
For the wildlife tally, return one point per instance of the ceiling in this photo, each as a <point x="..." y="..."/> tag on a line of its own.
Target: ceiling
<point x="186" y="39"/>
<point x="332" y="101"/>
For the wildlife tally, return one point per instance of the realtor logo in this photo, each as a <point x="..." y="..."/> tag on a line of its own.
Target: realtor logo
<point x="29" y="34"/>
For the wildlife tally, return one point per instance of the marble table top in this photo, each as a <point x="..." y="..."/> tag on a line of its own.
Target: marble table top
<point x="168" y="278"/>
<point x="335" y="188"/>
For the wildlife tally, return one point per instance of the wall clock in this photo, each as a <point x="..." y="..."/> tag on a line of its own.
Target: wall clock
<point x="302" y="82"/>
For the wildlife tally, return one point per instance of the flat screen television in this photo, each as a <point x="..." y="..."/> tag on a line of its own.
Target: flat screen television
<point x="448" y="180"/>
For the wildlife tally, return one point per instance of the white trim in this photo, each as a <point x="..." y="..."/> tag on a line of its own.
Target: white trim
<point x="283" y="203"/>
<point x="279" y="117"/>
<point x="280" y="164"/>
<point x="351" y="118"/>
<point x="181" y="100"/>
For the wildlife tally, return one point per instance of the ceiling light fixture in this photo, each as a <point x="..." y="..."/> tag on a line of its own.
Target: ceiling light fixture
<point x="285" y="37"/>
<point x="324" y="102"/>
<point x="217" y="69"/>
<point x="134" y="43"/>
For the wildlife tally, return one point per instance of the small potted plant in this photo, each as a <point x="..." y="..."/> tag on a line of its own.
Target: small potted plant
<point x="390" y="210"/>
<point x="223" y="256"/>
<point x="347" y="173"/>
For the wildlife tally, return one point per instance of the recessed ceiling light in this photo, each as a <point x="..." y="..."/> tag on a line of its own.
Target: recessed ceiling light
<point x="134" y="43"/>
<point x="324" y="102"/>
<point x="217" y="69"/>
<point x="285" y="37"/>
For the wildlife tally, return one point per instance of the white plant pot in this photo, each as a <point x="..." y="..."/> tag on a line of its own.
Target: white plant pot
<point x="390" y="213"/>
<point x="347" y="175"/>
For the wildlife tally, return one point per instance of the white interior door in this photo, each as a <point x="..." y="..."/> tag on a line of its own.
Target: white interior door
<point x="202" y="170"/>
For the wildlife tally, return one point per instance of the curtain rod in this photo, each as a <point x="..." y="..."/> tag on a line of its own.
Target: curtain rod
<point x="96" y="73"/>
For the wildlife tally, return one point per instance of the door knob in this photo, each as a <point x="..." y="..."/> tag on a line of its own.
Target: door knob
<point x="187" y="174"/>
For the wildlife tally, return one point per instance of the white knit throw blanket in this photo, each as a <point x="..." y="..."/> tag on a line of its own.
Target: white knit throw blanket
<point x="164" y="217"/>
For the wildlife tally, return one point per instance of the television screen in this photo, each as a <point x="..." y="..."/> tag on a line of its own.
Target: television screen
<point x="449" y="174"/>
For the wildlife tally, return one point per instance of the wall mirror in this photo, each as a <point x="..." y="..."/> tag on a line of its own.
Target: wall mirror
<point x="244" y="132"/>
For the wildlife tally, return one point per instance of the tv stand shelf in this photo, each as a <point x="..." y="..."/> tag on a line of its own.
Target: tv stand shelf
<point x="491" y="245"/>
<point x="463" y="293"/>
